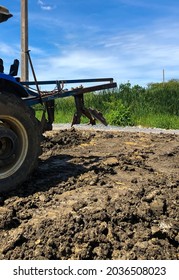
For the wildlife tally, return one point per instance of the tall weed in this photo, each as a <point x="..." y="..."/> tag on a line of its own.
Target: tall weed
<point x="157" y="105"/>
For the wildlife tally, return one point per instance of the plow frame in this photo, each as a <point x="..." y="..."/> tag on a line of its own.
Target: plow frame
<point x="48" y="97"/>
<point x="31" y="94"/>
<point x="36" y="97"/>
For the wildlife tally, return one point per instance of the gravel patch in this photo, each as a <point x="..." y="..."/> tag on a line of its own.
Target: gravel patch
<point x="100" y="127"/>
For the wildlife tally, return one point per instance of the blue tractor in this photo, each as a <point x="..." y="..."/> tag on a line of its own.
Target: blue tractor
<point x="20" y="130"/>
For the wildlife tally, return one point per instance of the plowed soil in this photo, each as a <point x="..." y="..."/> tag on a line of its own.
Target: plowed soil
<point x="96" y="195"/>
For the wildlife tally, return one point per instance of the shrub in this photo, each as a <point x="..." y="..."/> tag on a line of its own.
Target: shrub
<point x="119" y="114"/>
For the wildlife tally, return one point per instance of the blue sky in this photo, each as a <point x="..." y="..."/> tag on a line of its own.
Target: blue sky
<point x="129" y="40"/>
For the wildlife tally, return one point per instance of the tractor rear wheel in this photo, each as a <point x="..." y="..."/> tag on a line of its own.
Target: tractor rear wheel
<point x="19" y="141"/>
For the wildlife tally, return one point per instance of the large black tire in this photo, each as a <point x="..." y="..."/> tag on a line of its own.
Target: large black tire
<point x="19" y="141"/>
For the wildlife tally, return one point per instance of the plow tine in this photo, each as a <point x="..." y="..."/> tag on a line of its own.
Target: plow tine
<point x="98" y="116"/>
<point x="90" y="113"/>
<point x="81" y="110"/>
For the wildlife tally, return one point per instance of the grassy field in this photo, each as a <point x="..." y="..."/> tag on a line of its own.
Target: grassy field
<point x="154" y="106"/>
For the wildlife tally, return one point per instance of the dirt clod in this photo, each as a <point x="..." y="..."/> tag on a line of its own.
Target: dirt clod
<point x="96" y="195"/>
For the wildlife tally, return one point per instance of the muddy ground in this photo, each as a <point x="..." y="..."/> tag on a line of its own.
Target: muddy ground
<point x="96" y="195"/>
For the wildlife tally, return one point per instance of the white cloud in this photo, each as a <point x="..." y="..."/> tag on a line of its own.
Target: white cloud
<point x="73" y="64"/>
<point x="6" y="49"/>
<point x="139" y="57"/>
<point x="37" y="51"/>
<point x="44" y="6"/>
<point x="145" y="52"/>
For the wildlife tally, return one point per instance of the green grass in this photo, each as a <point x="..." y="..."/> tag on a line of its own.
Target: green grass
<point x="158" y="120"/>
<point x="154" y="106"/>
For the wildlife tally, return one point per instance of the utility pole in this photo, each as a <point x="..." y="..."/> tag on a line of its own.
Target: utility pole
<point x="163" y="76"/>
<point x="24" y="41"/>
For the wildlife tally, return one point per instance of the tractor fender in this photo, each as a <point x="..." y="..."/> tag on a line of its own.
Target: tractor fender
<point x="9" y="84"/>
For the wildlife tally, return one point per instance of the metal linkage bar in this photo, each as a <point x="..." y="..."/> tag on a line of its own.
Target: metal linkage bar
<point x="48" y="97"/>
<point x="76" y="91"/>
<point x="54" y="82"/>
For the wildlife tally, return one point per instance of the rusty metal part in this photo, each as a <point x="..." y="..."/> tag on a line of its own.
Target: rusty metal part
<point x="49" y="109"/>
<point x="95" y="88"/>
<point x="98" y="116"/>
<point x="81" y="110"/>
<point x="90" y="113"/>
<point x="43" y="96"/>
